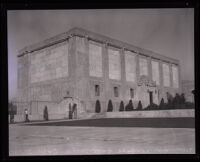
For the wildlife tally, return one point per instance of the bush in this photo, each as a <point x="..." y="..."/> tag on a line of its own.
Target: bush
<point x="98" y="107"/>
<point x="46" y="116"/>
<point x="176" y="100"/>
<point x="129" y="106"/>
<point x="152" y="107"/>
<point x="12" y="109"/>
<point x="169" y="101"/>
<point x="189" y="105"/>
<point x="110" y="106"/>
<point x="121" y="107"/>
<point x="139" y="107"/>
<point x="182" y="98"/>
<point x="162" y="104"/>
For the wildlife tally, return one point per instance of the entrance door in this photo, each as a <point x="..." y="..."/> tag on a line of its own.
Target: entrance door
<point x="151" y="97"/>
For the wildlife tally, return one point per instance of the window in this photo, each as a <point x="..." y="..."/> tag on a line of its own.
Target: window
<point x="175" y="76"/>
<point x="130" y="66"/>
<point x="95" y="60"/>
<point x="166" y="75"/>
<point x="116" y="93"/>
<point x="131" y="92"/>
<point x="114" y="64"/>
<point x="97" y="90"/>
<point x="143" y="66"/>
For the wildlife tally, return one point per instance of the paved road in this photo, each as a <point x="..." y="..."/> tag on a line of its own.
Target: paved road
<point x="63" y="140"/>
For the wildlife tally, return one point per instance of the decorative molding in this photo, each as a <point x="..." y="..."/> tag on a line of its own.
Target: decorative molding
<point x="146" y="81"/>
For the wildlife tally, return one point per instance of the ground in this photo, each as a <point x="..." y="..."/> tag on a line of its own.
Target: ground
<point x="59" y="139"/>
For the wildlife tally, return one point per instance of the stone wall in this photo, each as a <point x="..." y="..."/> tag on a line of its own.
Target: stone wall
<point x="48" y="64"/>
<point x="152" y="114"/>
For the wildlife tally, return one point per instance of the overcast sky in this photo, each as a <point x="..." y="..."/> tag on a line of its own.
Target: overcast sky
<point x="169" y="32"/>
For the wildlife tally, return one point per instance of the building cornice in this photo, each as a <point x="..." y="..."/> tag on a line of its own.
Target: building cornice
<point x="95" y="37"/>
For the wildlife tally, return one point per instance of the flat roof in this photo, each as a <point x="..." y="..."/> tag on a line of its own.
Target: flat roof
<point x="95" y="37"/>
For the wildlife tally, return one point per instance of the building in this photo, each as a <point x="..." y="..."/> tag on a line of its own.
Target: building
<point x="187" y="88"/>
<point x="83" y="67"/>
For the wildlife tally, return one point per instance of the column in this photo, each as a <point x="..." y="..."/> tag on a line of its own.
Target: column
<point x="161" y="73"/>
<point x="87" y="68"/>
<point x="161" y="80"/>
<point x="179" y="78"/>
<point x="149" y="68"/>
<point x="137" y="69"/>
<point x="106" y="75"/>
<point x="123" y="74"/>
<point x="171" y="75"/>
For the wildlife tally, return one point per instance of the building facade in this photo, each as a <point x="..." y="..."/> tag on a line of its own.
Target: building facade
<point x="84" y="67"/>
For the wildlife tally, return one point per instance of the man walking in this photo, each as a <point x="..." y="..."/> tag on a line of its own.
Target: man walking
<point x="26" y="115"/>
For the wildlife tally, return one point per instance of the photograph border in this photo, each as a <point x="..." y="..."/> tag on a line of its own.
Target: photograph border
<point x="92" y="5"/>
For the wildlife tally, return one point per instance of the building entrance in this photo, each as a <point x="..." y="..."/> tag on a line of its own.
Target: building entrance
<point x="150" y="97"/>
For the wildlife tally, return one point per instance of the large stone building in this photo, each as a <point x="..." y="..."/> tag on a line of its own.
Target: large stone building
<point x="82" y="67"/>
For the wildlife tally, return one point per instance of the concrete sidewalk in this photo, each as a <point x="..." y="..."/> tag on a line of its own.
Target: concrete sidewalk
<point x="62" y="140"/>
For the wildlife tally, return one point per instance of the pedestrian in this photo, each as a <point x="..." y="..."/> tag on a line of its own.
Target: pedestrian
<point x="26" y="115"/>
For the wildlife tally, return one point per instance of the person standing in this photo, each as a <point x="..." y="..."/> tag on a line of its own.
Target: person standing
<point x="26" y="115"/>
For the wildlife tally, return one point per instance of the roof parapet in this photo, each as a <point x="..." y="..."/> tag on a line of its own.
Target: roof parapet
<point x="95" y="37"/>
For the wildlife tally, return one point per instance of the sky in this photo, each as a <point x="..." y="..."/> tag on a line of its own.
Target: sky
<point x="169" y="32"/>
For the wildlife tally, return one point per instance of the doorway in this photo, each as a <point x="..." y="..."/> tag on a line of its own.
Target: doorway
<point x="151" y="97"/>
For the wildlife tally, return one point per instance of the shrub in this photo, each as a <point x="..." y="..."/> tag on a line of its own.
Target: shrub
<point x="139" y="107"/>
<point x="12" y="109"/>
<point x="161" y="106"/>
<point x="129" y="106"/>
<point x="153" y="107"/>
<point x="46" y="117"/>
<point x="169" y="100"/>
<point x="176" y="100"/>
<point x="182" y="98"/>
<point x="110" y="106"/>
<point x="121" y="108"/>
<point x="98" y="107"/>
<point x="189" y="105"/>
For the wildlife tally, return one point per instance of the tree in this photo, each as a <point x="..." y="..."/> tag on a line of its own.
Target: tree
<point x="182" y="98"/>
<point x="129" y="106"/>
<point x="169" y="98"/>
<point x="121" y="108"/>
<point x="98" y="107"/>
<point x="46" y="116"/>
<point x="176" y="101"/>
<point x="162" y="103"/>
<point x="110" y="106"/>
<point x="12" y="109"/>
<point x="139" y="107"/>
